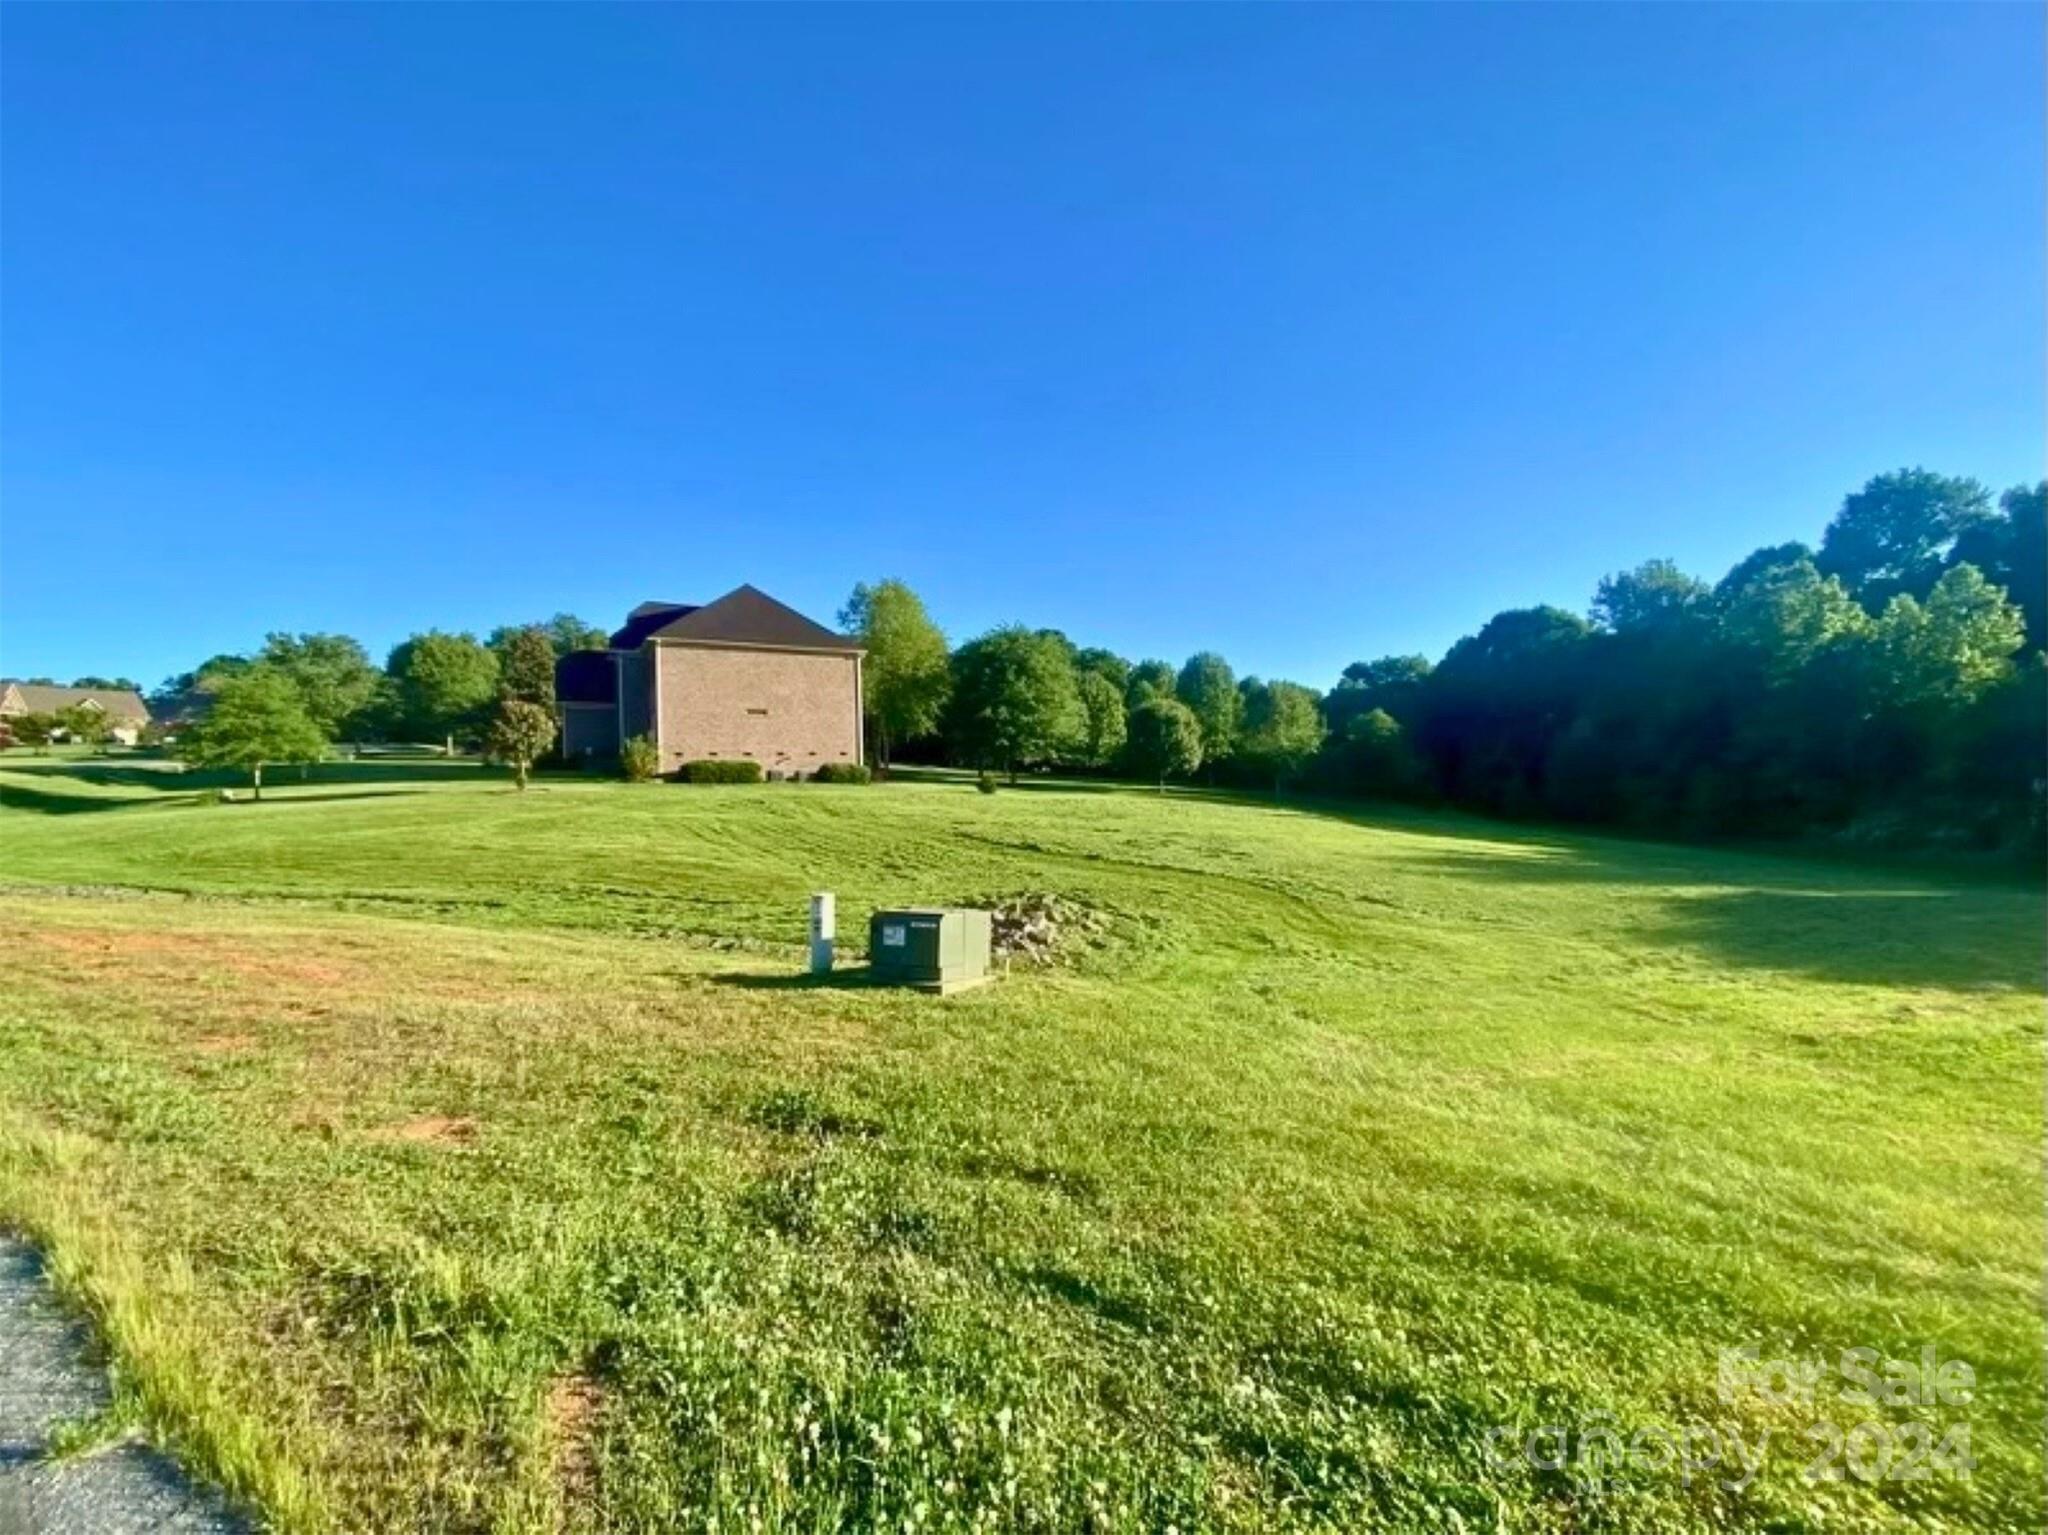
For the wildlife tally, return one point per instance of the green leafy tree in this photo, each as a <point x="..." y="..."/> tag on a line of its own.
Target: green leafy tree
<point x="258" y="719"/>
<point x="1209" y="688"/>
<point x="1655" y="595"/>
<point x="2012" y="551"/>
<point x="86" y="725"/>
<point x="1790" y="614"/>
<point x="110" y="684"/>
<point x="1148" y="679"/>
<point x="1375" y="758"/>
<point x="1165" y="739"/>
<point x="1757" y="564"/>
<point x="1946" y="653"/>
<point x="446" y="684"/>
<point x="1103" y="719"/>
<point x="1496" y="707"/>
<point x="189" y="694"/>
<point x="1283" y="728"/>
<point x="571" y="634"/>
<point x="1391" y="684"/>
<point x="1104" y="663"/>
<point x="526" y="666"/>
<point x="1894" y="535"/>
<point x="565" y="631"/>
<point x="331" y="671"/>
<point x="521" y="733"/>
<point x="34" y="730"/>
<point x="906" y="674"/>
<point x="1014" y="699"/>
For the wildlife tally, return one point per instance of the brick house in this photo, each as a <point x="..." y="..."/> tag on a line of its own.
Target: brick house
<point x="743" y="677"/>
<point x="124" y="706"/>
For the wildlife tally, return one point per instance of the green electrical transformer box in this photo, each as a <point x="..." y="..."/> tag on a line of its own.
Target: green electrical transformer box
<point x="934" y="948"/>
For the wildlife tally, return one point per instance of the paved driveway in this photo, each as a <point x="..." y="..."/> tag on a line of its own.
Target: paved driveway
<point x="46" y="1377"/>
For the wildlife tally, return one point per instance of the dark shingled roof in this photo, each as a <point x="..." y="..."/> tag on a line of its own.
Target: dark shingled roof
<point x="587" y="677"/>
<point x="743" y="616"/>
<point x="645" y="619"/>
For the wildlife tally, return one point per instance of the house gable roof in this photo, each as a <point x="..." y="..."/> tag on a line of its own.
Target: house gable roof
<point x="42" y="698"/>
<point x="744" y="616"/>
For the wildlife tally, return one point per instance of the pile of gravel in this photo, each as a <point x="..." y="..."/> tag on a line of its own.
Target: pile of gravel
<point x="1034" y="927"/>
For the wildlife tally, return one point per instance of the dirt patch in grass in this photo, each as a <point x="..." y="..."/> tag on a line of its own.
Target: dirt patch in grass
<point x="570" y="1414"/>
<point x="225" y="1044"/>
<point x="432" y="1130"/>
<point x="108" y="947"/>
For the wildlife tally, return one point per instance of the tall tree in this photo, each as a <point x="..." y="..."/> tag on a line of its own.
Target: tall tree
<point x="1947" y="652"/>
<point x="258" y="719"/>
<point x="1375" y="758"/>
<point x="906" y="675"/>
<point x="190" y="693"/>
<point x="446" y="684"/>
<point x="1894" y="535"/>
<point x="565" y="631"/>
<point x="571" y="634"/>
<point x="1148" y="679"/>
<point x="2012" y="551"/>
<point x="1391" y="684"/>
<point x="1104" y="663"/>
<point x="526" y="666"/>
<point x="1103" y="719"/>
<point x="1283" y="728"/>
<point x="1014" y="699"/>
<point x="1655" y="595"/>
<point x="1209" y="688"/>
<point x="331" y="671"/>
<point x="1165" y="739"/>
<point x="1757" y="564"/>
<point x="1790" y="614"/>
<point x="1498" y="704"/>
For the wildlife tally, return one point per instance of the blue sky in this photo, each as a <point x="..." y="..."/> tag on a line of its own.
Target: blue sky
<point x="1303" y="334"/>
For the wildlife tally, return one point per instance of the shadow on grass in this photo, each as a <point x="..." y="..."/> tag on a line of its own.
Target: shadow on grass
<point x="168" y="778"/>
<point x="1866" y="929"/>
<point x="49" y="802"/>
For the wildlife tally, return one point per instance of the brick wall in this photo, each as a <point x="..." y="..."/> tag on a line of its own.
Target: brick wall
<point x="783" y="709"/>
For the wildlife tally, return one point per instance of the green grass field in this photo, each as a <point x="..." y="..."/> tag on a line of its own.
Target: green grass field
<point x="438" y="1157"/>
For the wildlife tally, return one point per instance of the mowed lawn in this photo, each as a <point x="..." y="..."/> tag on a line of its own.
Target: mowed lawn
<point x="438" y="1157"/>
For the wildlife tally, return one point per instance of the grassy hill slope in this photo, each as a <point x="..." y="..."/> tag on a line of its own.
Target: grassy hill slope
<point x="440" y="1157"/>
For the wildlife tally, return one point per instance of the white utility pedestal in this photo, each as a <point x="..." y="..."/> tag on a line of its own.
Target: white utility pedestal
<point x="824" y="920"/>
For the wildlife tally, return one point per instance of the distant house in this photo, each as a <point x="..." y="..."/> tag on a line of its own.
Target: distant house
<point x="740" y="678"/>
<point x="124" y="706"/>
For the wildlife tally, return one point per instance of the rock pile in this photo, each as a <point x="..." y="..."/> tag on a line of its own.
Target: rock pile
<point x="1035" y="926"/>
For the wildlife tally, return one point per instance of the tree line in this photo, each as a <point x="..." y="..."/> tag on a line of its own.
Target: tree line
<point x="292" y="699"/>
<point x="1888" y="685"/>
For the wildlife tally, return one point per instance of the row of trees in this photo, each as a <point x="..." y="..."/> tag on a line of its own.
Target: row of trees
<point x="289" y="701"/>
<point x="1019" y="697"/>
<point x="1890" y="683"/>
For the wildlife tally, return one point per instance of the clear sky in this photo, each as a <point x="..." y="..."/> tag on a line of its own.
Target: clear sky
<point x="1303" y="334"/>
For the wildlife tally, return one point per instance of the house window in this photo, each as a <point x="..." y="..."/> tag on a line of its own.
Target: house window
<point x="762" y="712"/>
